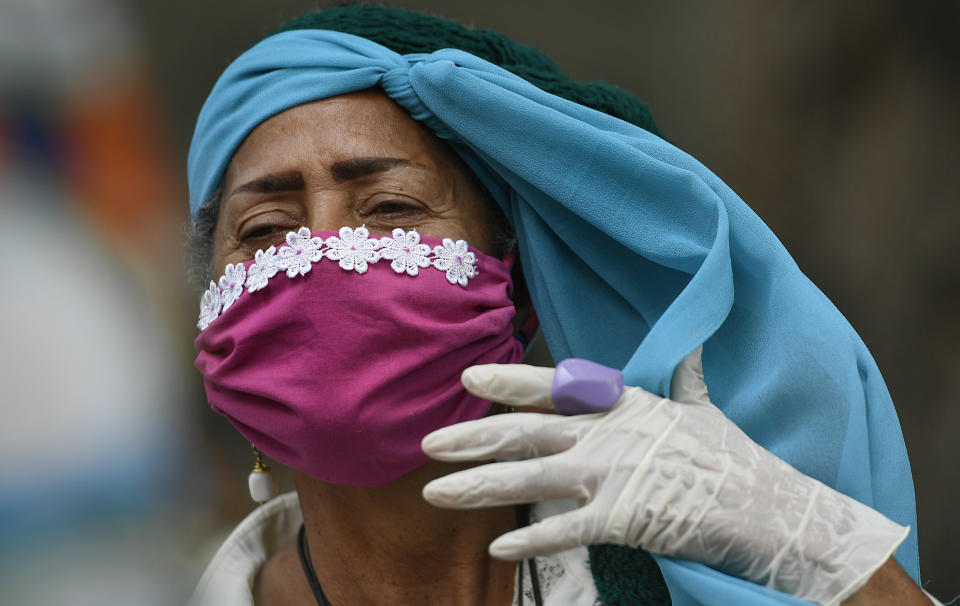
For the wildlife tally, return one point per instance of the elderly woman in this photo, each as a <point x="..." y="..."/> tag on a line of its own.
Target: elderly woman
<point x="368" y="183"/>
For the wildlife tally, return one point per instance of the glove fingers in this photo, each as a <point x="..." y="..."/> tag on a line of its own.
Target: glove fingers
<point x="511" y="384"/>
<point x="555" y="534"/>
<point x="499" y="484"/>
<point x="501" y="436"/>
<point x="687" y="384"/>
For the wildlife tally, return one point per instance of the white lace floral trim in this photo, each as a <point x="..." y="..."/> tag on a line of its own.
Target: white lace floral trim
<point x="353" y="249"/>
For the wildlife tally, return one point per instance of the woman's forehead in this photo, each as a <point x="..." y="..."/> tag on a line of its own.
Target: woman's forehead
<point x="363" y="124"/>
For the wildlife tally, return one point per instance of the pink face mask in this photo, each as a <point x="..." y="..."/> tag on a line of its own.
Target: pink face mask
<point x="337" y="352"/>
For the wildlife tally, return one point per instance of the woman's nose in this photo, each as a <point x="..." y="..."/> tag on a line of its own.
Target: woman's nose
<point x="329" y="210"/>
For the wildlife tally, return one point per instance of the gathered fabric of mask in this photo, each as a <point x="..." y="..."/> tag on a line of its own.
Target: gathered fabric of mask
<point x="336" y="353"/>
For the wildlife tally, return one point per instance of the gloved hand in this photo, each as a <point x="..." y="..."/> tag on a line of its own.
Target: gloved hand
<point x="675" y="477"/>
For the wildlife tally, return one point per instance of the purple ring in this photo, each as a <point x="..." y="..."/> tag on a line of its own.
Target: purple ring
<point x="584" y="387"/>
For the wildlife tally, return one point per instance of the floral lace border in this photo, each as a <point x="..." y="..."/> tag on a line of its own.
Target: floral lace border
<point x="353" y="249"/>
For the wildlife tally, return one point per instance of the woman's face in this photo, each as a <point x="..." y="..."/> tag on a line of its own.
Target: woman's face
<point x="349" y="160"/>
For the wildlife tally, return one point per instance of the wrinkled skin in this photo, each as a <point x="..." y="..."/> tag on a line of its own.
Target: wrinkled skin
<point x="349" y="160"/>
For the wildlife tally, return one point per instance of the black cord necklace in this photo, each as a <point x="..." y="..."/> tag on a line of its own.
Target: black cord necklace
<point x="304" y="552"/>
<point x="523" y="519"/>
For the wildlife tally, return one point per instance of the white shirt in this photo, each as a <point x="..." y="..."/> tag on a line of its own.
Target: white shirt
<point x="565" y="578"/>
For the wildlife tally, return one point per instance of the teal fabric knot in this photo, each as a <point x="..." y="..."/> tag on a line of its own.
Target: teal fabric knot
<point x="396" y="83"/>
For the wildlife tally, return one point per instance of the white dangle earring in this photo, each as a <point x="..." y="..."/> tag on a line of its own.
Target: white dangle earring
<point x="261" y="482"/>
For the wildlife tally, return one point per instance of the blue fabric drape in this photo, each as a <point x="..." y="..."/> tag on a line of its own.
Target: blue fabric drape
<point x="634" y="252"/>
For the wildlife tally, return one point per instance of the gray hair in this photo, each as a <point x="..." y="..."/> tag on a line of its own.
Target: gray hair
<point x="199" y="242"/>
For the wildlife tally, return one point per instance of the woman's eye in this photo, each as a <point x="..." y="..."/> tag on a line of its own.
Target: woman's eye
<point x="394" y="208"/>
<point x="260" y="232"/>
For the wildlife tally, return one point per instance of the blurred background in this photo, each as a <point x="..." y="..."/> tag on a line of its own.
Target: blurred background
<point x="837" y="122"/>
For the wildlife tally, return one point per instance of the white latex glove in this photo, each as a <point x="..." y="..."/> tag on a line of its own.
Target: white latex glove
<point x="678" y="479"/>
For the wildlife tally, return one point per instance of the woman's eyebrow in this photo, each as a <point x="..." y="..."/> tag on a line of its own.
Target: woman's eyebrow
<point x="272" y="183"/>
<point x="356" y="168"/>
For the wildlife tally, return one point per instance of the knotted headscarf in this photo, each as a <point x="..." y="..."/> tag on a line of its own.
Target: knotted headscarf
<point x="634" y="254"/>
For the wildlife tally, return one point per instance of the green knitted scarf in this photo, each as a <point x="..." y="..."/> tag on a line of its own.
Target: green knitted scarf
<point x="624" y="576"/>
<point x="405" y="31"/>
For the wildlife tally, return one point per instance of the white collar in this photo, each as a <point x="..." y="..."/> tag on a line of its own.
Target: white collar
<point x="230" y="576"/>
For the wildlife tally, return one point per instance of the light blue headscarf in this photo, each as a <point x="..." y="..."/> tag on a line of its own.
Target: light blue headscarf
<point x="634" y="253"/>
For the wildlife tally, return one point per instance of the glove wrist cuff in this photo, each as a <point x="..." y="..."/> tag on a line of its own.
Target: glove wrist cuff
<point x="870" y="553"/>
